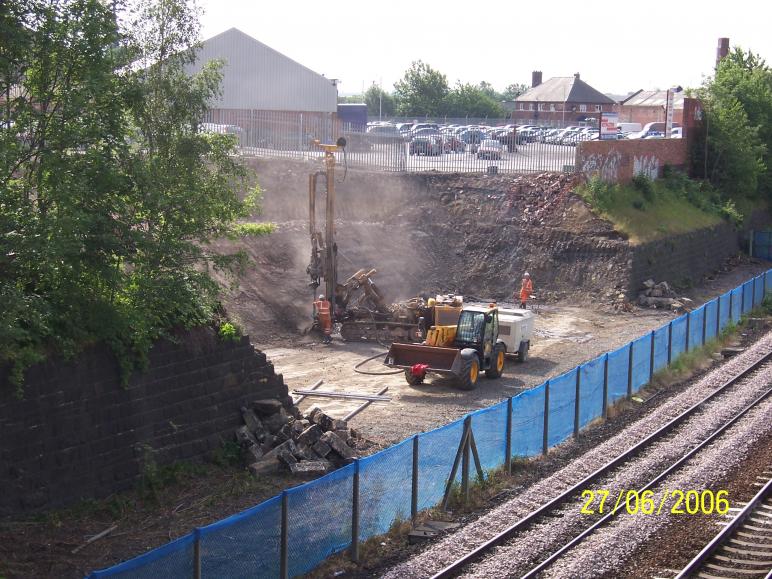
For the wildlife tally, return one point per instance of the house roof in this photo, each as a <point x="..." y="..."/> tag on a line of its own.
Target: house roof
<point x="569" y="89"/>
<point x="653" y="98"/>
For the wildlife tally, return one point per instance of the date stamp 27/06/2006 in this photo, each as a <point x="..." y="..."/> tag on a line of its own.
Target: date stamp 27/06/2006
<point x="668" y="501"/>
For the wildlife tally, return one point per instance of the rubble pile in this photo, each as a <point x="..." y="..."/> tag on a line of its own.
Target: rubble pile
<point x="660" y="295"/>
<point x="272" y="439"/>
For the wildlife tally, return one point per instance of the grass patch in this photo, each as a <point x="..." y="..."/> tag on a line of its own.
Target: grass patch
<point x="647" y="210"/>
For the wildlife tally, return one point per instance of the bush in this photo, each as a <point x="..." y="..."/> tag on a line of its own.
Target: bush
<point x="644" y="185"/>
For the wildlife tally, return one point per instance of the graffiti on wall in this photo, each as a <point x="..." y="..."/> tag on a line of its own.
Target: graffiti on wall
<point x="604" y="166"/>
<point x="647" y="165"/>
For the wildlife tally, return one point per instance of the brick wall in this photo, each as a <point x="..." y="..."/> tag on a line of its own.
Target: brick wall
<point x="78" y="433"/>
<point x="618" y="161"/>
<point x="682" y="259"/>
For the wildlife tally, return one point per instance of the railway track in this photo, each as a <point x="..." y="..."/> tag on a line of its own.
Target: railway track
<point x="744" y="546"/>
<point x="467" y="564"/>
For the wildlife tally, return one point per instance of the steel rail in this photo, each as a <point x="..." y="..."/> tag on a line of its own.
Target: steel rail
<point x="725" y="533"/>
<point x="502" y="537"/>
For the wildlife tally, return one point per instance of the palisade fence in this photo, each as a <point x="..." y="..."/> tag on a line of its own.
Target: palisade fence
<point x="291" y="533"/>
<point x="291" y="135"/>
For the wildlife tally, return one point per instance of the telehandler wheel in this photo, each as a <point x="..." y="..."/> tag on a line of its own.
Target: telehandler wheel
<point x="413" y="380"/>
<point x="470" y="372"/>
<point x="497" y="362"/>
<point x="522" y="351"/>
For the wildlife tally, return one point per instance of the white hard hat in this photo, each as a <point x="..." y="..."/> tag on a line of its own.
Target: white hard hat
<point x="321" y="296"/>
<point x="526" y="274"/>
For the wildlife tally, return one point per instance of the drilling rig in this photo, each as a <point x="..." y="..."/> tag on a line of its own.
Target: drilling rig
<point x="357" y="303"/>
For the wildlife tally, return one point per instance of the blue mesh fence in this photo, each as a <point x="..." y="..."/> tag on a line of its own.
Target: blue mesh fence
<point x="678" y="336"/>
<point x="435" y="460"/>
<point x="562" y="393"/>
<point x="660" y="348"/>
<point x="528" y="422"/>
<point x="385" y="480"/>
<point x="591" y="390"/>
<point x="711" y="309"/>
<point x="747" y="289"/>
<point x="723" y="313"/>
<point x="320" y="512"/>
<point x="243" y="545"/>
<point x="319" y="519"/>
<point x="618" y="362"/>
<point x="758" y="284"/>
<point x="641" y="361"/>
<point x="737" y="297"/>
<point x="490" y="434"/>
<point x="695" y="328"/>
<point x="174" y="559"/>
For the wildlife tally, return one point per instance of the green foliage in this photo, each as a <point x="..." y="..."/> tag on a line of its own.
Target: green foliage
<point x="738" y="121"/>
<point x="513" y="91"/>
<point x="229" y="332"/>
<point x="598" y="193"/>
<point x="421" y="91"/>
<point x="228" y="455"/>
<point x="379" y="102"/>
<point x="473" y="101"/>
<point x="644" y="185"/>
<point x="109" y="194"/>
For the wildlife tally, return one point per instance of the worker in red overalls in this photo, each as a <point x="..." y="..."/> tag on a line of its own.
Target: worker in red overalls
<point x="323" y="317"/>
<point x="526" y="289"/>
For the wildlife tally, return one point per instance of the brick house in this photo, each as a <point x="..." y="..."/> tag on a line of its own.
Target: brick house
<point x="560" y="100"/>
<point x="648" y="106"/>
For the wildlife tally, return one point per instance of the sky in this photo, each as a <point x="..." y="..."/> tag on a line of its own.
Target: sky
<point x="617" y="47"/>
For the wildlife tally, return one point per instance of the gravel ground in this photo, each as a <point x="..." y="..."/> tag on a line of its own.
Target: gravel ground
<point x="453" y="546"/>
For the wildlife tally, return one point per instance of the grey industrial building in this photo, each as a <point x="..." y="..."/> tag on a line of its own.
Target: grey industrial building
<point x="265" y="93"/>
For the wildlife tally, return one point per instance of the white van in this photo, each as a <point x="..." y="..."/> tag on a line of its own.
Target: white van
<point x="629" y="127"/>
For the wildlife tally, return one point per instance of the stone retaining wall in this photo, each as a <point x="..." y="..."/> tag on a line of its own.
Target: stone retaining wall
<point x="77" y="433"/>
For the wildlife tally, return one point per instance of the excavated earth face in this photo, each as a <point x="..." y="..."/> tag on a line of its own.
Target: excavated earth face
<point x="474" y="235"/>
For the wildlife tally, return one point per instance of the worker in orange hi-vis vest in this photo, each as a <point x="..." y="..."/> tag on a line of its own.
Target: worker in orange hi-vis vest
<point x="323" y="316"/>
<point x="526" y="289"/>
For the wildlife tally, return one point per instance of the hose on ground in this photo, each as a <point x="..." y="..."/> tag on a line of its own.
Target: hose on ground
<point x="363" y="362"/>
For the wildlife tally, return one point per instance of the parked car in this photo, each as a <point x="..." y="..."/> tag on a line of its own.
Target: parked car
<point x="425" y="132"/>
<point x="426" y="146"/>
<point x="418" y="126"/>
<point x="490" y="149"/>
<point x="452" y="144"/>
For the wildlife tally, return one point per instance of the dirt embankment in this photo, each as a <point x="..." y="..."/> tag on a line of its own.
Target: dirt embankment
<point x="424" y="234"/>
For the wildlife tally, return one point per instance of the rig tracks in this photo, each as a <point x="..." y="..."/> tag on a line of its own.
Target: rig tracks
<point x="743" y="547"/>
<point x="550" y="509"/>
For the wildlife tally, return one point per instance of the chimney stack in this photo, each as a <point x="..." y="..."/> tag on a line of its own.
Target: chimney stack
<point x="535" y="78"/>
<point x="576" y="76"/>
<point x="722" y="50"/>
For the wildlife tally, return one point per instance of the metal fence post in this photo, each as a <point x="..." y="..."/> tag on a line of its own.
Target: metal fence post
<point x="283" y="551"/>
<point x="545" y="437"/>
<point x="576" y="400"/>
<point x="688" y="330"/>
<point x="605" y="387"/>
<point x="197" y="554"/>
<point x="718" y="316"/>
<point x="414" y="485"/>
<point x="742" y="300"/>
<point x="630" y="361"/>
<point x="508" y="443"/>
<point x="355" y="514"/>
<point x="753" y="293"/>
<point x="669" y="343"/>
<point x="704" y="323"/>
<point x="465" y="460"/>
<point x="731" y="306"/>
<point x="651" y="359"/>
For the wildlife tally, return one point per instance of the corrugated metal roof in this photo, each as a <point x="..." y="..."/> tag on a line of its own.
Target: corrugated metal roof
<point x="567" y="89"/>
<point x="653" y="98"/>
<point x="256" y="76"/>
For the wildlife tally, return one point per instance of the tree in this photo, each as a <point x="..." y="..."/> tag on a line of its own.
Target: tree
<point x="467" y="100"/>
<point x="513" y="91"/>
<point x="379" y="102"/>
<point x="738" y="117"/>
<point x="109" y="192"/>
<point x="421" y="92"/>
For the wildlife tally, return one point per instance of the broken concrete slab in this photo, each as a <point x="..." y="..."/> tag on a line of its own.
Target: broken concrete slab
<point x="310" y="468"/>
<point x="321" y="448"/>
<point x="338" y="445"/>
<point x="254" y="453"/>
<point x="286" y="457"/>
<point x="267" y="407"/>
<point x="310" y="435"/>
<point x="429" y="530"/>
<point x="244" y="437"/>
<point x="275" y="422"/>
<point x="288" y="446"/>
<point x="251" y="420"/>
<point x="264" y="467"/>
